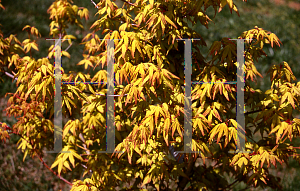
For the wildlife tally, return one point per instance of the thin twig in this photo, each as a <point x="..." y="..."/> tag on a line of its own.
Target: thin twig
<point x="11" y="76"/>
<point x="66" y="181"/>
<point x="95" y="4"/>
<point x="84" y="144"/>
<point x="86" y="168"/>
<point x="41" y="159"/>
<point x="128" y="3"/>
<point x="68" y="47"/>
<point x="251" y="112"/>
<point x="54" y="46"/>
<point x="246" y="188"/>
<point x="110" y="95"/>
<point x="232" y="184"/>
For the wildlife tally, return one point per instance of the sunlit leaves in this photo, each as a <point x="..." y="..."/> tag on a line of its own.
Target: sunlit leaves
<point x="280" y="72"/>
<point x="281" y="130"/>
<point x="83" y="13"/>
<point x="69" y="38"/>
<point x="230" y="4"/>
<point x="264" y="156"/>
<point x="289" y="97"/>
<point x="1" y="6"/>
<point x="61" y="161"/>
<point x="3" y="132"/>
<point x="69" y="93"/>
<point x="273" y="38"/>
<point x="86" y="63"/>
<point x="71" y="126"/>
<point x="136" y="44"/>
<point x="63" y="13"/>
<point x="262" y="37"/>
<point x="32" y="30"/>
<point x="251" y="71"/>
<point x="169" y="21"/>
<point x="29" y="44"/>
<point x="150" y="96"/>
<point x="240" y="160"/>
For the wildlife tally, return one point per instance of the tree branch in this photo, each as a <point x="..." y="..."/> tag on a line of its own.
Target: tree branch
<point x="84" y="144"/>
<point x="11" y="76"/>
<point x="231" y="184"/>
<point x="182" y="184"/>
<point x="128" y="3"/>
<point x="66" y="181"/>
<point x="250" y="112"/>
<point x="95" y="4"/>
<point x="41" y="159"/>
<point x="54" y="46"/>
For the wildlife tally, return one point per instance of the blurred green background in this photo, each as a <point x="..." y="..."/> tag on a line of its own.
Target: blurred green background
<point x="277" y="16"/>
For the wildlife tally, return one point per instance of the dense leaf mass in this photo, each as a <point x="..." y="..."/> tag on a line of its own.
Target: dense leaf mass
<point x="149" y="108"/>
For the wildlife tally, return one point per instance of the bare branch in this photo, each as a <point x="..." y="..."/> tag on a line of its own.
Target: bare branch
<point x="95" y="4"/>
<point x="54" y="46"/>
<point x="41" y="159"/>
<point x="251" y="112"/>
<point x="84" y="144"/>
<point x="128" y="3"/>
<point x="11" y="76"/>
<point x="68" y="46"/>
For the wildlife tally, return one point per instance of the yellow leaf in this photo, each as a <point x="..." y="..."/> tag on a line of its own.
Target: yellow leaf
<point x="133" y="48"/>
<point x="75" y="154"/>
<point x="27" y="26"/>
<point x="169" y="21"/>
<point x="60" y="165"/>
<point x="72" y="160"/>
<point x="291" y="100"/>
<point x="126" y="41"/>
<point x="64" y="53"/>
<point x="66" y="164"/>
<point x="151" y="3"/>
<point x="34" y="45"/>
<point x="230" y="3"/>
<point x="147" y="179"/>
<point x="167" y="125"/>
<point x="117" y="177"/>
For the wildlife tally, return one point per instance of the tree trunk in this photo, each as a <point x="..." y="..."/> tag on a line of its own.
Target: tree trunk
<point x="183" y="181"/>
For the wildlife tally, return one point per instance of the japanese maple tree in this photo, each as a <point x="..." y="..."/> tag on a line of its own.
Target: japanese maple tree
<point x="149" y="111"/>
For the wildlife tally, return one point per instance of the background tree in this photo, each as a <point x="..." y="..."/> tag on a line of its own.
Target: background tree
<point x="149" y="69"/>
